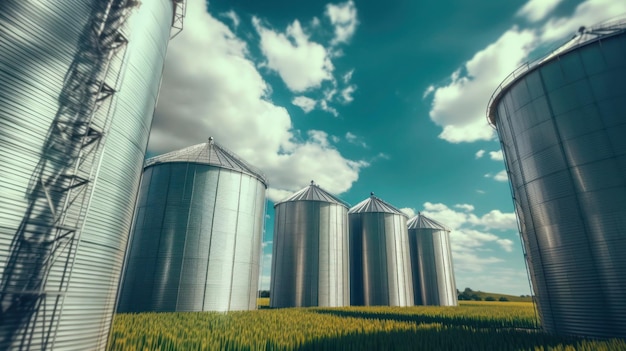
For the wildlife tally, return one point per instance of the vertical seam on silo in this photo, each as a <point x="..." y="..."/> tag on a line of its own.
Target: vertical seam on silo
<point x="232" y="266"/>
<point x="182" y="265"/>
<point x="158" y="248"/>
<point x="275" y="242"/>
<point x="206" y="277"/>
<point x="250" y="280"/>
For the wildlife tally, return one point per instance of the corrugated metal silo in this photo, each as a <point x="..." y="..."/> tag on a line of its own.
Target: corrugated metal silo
<point x="78" y="85"/>
<point x="431" y="262"/>
<point x="310" y="263"/>
<point x="196" y="241"/>
<point x="561" y="123"/>
<point x="380" y="263"/>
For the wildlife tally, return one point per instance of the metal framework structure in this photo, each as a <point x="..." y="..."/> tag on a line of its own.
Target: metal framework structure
<point x="179" y="15"/>
<point x="59" y="194"/>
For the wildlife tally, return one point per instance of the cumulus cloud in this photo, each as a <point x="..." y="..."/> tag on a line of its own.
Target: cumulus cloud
<point x="496" y="155"/>
<point x="536" y="10"/>
<point x="200" y="98"/>
<point x="344" y="18"/>
<point x="465" y="207"/>
<point x="408" y="211"/>
<point x="305" y="103"/>
<point x="459" y="107"/>
<point x="479" y="154"/>
<point x="353" y="139"/>
<point x="501" y="176"/>
<point x="346" y="93"/>
<point x="587" y="13"/>
<point x="302" y="64"/>
<point x="232" y="16"/>
<point x="495" y="219"/>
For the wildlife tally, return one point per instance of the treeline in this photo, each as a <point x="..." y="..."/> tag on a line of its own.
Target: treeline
<point x="471" y="295"/>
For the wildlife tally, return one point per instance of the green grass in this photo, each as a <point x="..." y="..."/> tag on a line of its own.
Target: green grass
<point x="470" y="326"/>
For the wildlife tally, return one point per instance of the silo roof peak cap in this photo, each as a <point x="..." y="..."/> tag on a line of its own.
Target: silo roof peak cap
<point x="422" y="222"/>
<point x="313" y="192"/>
<point x="376" y="205"/>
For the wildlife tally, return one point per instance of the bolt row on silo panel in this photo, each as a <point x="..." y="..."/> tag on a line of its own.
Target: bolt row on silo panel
<point x="380" y="267"/>
<point x="561" y="125"/>
<point x="310" y="265"/>
<point x="431" y="262"/>
<point x="196" y="240"/>
<point x="62" y="243"/>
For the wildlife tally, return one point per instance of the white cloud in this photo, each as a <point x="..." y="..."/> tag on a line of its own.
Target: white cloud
<point x="231" y="15"/>
<point x="459" y="107"/>
<point x="408" y="211"/>
<point x="506" y="244"/>
<point x="480" y="153"/>
<point x="465" y="207"/>
<point x="501" y="176"/>
<point x="536" y="10"/>
<point x="305" y="103"/>
<point x="353" y="139"/>
<point x="211" y="88"/>
<point x="428" y="91"/>
<point x="324" y="105"/>
<point x="347" y="77"/>
<point x="496" y="219"/>
<point x="302" y="64"/>
<point x="588" y="13"/>
<point x="344" y="18"/>
<point x="346" y="93"/>
<point x="496" y="155"/>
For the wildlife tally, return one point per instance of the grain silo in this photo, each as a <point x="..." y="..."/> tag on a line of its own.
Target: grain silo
<point x="310" y="264"/>
<point x="380" y="262"/>
<point x="78" y="85"/>
<point x="196" y="241"/>
<point x="561" y="122"/>
<point x="431" y="262"/>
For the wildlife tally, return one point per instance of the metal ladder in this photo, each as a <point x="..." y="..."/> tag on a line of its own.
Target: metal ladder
<point x="43" y="250"/>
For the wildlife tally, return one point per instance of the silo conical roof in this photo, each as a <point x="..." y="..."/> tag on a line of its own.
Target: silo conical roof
<point x="375" y="204"/>
<point x="313" y="192"/>
<point x="212" y="154"/>
<point x="422" y="222"/>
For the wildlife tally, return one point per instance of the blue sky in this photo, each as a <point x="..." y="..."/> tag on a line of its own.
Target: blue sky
<point x="364" y="96"/>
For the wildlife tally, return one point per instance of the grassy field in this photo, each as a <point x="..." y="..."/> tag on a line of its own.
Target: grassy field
<point x="471" y="326"/>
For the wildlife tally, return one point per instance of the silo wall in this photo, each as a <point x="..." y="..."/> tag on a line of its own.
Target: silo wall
<point x="310" y="263"/>
<point x="562" y="127"/>
<point x="196" y="241"/>
<point x="431" y="264"/>
<point x="380" y="267"/>
<point x="38" y="45"/>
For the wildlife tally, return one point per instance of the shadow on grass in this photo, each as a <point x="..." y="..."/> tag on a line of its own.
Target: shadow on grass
<point x="461" y="321"/>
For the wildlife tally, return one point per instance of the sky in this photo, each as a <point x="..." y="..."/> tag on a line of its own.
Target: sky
<point x="364" y="96"/>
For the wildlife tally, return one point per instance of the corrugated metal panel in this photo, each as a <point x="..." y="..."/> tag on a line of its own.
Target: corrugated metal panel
<point x="209" y="153"/>
<point x="431" y="262"/>
<point x="380" y="267"/>
<point x="196" y="242"/>
<point x="38" y="43"/>
<point x="562" y="131"/>
<point x="310" y="263"/>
